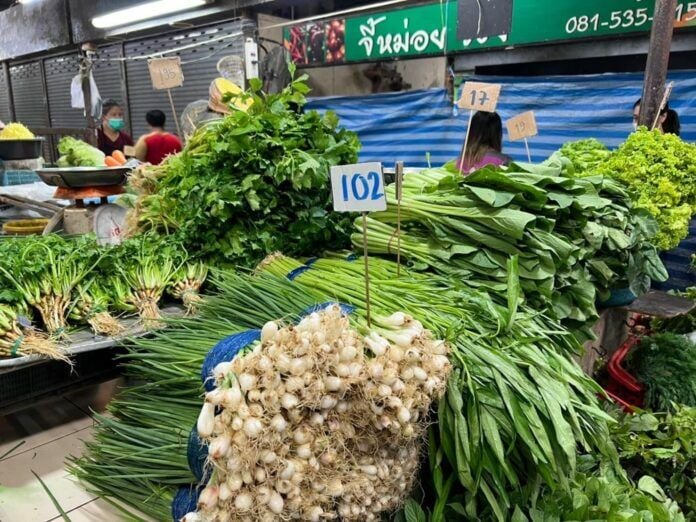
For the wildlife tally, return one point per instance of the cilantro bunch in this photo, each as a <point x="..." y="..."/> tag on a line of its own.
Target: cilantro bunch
<point x="660" y="171"/>
<point x="254" y="182"/>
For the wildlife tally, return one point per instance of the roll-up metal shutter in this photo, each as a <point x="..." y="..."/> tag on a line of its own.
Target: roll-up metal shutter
<point x="5" y="113"/>
<point x="59" y="74"/>
<point x="198" y="68"/>
<point x="29" y="99"/>
<point x="27" y="91"/>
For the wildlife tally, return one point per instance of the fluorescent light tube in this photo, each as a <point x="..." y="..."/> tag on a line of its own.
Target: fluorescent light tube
<point x="144" y="12"/>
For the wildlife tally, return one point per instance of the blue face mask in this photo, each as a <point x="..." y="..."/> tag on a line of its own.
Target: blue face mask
<point x="116" y="123"/>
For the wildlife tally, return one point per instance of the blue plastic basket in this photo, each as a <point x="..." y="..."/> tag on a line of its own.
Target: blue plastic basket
<point x="619" y="297"/>
<point x="18" y="177"/>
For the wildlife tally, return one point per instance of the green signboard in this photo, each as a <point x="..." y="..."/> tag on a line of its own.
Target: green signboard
<point x="460" y="26"/>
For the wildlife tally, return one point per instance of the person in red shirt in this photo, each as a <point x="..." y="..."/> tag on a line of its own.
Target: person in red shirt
<point x="110" y="136"/>
<point x="154" y="147"/>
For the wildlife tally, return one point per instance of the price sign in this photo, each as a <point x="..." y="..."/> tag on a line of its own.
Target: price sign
<point x="478" y="96"/>
<point x="358" y="187"/>
<point x="129" y="151"/>
<point x="522" y="126"/>
<point x="166" y="72"/>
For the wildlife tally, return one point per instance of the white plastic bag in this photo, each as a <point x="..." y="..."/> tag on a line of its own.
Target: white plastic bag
<point x="77" y="96"/>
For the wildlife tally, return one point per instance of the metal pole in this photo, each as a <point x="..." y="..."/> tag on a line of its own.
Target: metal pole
<point x="10" y="97"/>
<point x="658" y="60"/>
<point x="85" y="74"/>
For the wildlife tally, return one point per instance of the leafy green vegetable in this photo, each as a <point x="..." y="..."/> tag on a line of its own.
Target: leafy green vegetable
<point x="583" y="156"/>
<point x="253" y="183"/>
<point x="77" y="153"/>
<point x="662" y="445"/>
<point x="660" y="171"/>
<point x="575" y="240"/>
<point x="666" y="365"/>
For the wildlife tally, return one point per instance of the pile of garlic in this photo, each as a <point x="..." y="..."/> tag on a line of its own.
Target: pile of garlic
<point x="311" y="427"/>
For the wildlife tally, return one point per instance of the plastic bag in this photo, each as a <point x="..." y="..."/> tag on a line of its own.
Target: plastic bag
<point x="77" y="96"/>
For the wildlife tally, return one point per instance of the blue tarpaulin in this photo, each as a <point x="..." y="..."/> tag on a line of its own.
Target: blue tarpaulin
<point x="407" y="126"/>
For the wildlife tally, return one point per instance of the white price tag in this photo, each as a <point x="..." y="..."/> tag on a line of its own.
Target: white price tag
<point x="358" y="188"/>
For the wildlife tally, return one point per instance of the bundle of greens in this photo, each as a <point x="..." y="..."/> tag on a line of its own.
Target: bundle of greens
<point x="145" y="266"/>
<point x="16" y="343"/>
<point x="186" y="284"/>
<point x="660" y="171"/>
<point x="253" y="182"/>
<point x="682" y="324"/>
<point x="43" y="272"/>
<point x="584" y="156"/>
<point x="91" y="306"/>
<point x="662" y="445"/>
<point x="576" y="239"/>
<point x="666" y="365"/>
<point x="77" y="153"/>
<point x="597" y="493"/>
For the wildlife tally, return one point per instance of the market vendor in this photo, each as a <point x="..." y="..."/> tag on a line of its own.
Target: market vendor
<point x="485" y="143"/>
<point x="110" y="135"/>
<point x="667" y="123"/>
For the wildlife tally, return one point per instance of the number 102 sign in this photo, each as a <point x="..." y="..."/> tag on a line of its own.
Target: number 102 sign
<point x="358" y="187"/>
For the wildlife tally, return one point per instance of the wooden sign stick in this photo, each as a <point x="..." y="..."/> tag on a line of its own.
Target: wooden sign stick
<point x="665" y="99"/>
<point x="399" y="181"/>
<point x="526" y="146"/>
<point x="367" y="269"/>
<point x="176" y="118"/>
<point x="466" y="141"/>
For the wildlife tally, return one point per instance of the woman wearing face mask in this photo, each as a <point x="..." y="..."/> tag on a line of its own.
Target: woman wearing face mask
<point x="110" y="135"/>
<point x="668" y="122"/>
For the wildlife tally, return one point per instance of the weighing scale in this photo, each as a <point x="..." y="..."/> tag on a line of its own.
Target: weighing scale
<point x="89" y="188"/>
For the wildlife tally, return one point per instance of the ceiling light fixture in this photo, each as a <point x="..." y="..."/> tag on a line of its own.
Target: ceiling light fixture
<point x="145" y="11"/>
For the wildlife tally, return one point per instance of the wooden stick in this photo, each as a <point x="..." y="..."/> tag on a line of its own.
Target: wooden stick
<point x="665" y="99"/>
<point x="399" y="181"/>
<point x="466" y="142"/>
<point x="176" y="118"/>
<point x="367" y="270"/>
<point x="526" y="146"/>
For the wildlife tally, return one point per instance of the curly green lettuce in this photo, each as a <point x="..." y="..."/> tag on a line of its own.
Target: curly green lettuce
<point x="660" y="171"/>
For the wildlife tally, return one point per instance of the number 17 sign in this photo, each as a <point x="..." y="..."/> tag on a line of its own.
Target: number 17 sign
<point x="358" y="187"/>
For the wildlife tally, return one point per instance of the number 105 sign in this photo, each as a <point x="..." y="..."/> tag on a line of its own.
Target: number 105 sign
<point x="358" y="188"/>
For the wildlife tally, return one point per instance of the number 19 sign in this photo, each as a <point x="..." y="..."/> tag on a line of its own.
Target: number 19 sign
<point x="358" y="187"/>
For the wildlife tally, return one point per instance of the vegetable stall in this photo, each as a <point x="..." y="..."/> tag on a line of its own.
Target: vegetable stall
<point x="454" y="393"/>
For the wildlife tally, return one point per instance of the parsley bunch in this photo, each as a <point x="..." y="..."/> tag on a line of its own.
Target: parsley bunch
<point x="254" y="182"/>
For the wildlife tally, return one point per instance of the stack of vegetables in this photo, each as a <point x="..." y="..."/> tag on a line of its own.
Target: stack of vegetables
<point x="516" y="412"/>
<point x="15" y="131"/>
<point x="251" y="183"/>
<point x="576" y="239"/>
<point x="659" y="171"/>
<point x="62" y="282"/>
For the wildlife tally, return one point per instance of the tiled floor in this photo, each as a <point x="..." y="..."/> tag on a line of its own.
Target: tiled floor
<point x="42" y="438"/>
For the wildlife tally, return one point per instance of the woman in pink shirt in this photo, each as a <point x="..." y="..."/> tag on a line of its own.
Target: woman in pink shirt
<point x="485" y="143"/>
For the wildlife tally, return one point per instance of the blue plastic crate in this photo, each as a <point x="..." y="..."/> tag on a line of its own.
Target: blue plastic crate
<point x="18" y="177"/>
